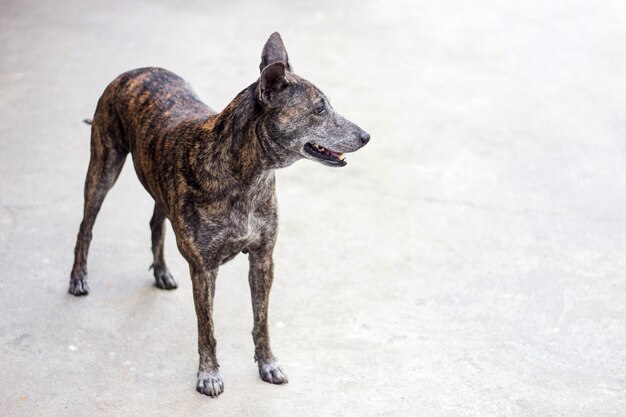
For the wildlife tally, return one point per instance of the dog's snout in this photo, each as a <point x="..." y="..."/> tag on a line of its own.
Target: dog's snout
<point x="365" y="137"/>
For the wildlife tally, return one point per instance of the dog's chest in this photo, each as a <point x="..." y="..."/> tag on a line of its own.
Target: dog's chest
<point x="244" y="231"/>
<point x="246" y="227"/>
<point x="251" y="220"/>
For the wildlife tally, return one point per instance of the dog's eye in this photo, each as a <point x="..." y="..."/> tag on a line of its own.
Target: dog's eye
<point x="320" y="108"/>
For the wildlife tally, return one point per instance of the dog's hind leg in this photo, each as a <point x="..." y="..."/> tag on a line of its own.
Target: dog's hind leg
<point x="108" y="154"/>
<point x="162" y="276"/>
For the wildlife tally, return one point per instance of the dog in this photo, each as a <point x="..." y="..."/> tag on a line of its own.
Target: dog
<point x="212" y="175"/>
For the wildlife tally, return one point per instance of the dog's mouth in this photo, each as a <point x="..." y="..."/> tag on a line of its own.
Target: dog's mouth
<point x="325" y="155"/>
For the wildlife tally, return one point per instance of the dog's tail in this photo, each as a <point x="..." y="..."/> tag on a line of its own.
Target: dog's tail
<point x="88" y="121"/>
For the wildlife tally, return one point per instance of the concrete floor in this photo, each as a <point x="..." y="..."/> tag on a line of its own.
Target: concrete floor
<point x="470" y="261"/>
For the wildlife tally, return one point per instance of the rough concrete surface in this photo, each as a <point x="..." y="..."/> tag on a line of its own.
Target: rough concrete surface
<point x="470" y="261"/>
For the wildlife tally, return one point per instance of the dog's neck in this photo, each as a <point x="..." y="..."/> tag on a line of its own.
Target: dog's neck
<point x="236" y="146"/>
<point x="240" y="137"/>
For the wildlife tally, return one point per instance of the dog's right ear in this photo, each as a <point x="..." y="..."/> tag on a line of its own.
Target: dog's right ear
<point x="272" y="81"/>
<point x="274" y="51"/>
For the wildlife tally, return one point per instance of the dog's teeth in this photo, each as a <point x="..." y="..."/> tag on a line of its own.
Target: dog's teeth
<point x="341" y="156"/>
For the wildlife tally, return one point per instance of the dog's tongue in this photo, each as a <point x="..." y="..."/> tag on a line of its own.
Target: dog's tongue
<point x="337" y="155"/>
<point x="321" y="149"/>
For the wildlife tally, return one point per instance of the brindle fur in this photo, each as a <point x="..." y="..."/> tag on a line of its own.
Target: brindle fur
<point x="212" y="175"/>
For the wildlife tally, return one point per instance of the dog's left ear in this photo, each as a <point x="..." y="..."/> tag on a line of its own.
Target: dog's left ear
<point x="274" y="51"/>
<point x="272" y="81"/>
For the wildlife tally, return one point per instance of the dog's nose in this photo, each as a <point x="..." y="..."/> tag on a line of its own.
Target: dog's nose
<point x="365" y="137"/>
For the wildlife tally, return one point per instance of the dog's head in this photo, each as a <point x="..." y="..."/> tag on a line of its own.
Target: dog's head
<point x="298" y="115"/>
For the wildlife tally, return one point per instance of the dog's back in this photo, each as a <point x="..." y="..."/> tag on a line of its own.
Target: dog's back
<point x="149" y="100"/>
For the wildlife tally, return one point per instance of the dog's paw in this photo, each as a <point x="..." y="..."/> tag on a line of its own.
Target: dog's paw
<point x="270" y="371"/>
<point x="164" y="279"/>
<point x="210" y="383"/>
<point x="78" y="285"/>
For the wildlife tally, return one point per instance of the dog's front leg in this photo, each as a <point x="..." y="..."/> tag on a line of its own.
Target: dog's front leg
<point x="261" y="276"/>
<point x="209" y="378"/>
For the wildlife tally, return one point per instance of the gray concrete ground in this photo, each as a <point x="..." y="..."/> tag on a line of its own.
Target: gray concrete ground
<point x="470" y="261"/>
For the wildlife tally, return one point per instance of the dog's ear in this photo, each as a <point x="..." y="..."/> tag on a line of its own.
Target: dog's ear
<point x="274" y="51"/>
<point x="272" y="81"/>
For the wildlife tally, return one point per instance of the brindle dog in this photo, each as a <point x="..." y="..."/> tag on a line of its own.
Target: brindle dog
<point x="212" y="175"/>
